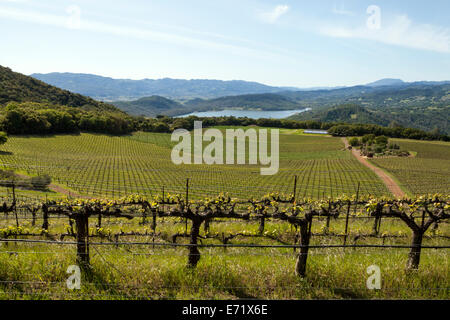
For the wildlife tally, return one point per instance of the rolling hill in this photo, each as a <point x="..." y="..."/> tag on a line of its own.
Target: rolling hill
<point x="21" y="88"/>
<point x="109" y="89"/>
<point x="156" y="105"/>
<point x="424" y="105"/>
<point x="386" y="82"/>
<point x="347" y="113"/>
<point x="151" y="106"/>
<point x="30" y="106"/>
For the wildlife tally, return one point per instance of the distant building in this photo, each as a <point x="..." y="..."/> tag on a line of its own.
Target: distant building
<point x="316" y="131"/>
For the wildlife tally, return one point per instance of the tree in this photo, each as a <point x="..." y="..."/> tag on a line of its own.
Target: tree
<point x="368" y="138"/>
<point x="354" y="142"/>
<point x="161" y="127"/>
<point x="381" y="140"/>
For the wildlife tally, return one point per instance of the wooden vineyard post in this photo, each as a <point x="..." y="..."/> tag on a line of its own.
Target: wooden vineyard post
<point x="348" y="213"/>
<point x="14" y="203"/>
<point x="296" y="237"/>
<point x="346" y="223"/>
<point x="82" y="225"/>
<point x="295" y="187"/>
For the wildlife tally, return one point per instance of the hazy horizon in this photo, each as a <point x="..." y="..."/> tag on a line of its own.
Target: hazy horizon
<point x="286" y="86"/>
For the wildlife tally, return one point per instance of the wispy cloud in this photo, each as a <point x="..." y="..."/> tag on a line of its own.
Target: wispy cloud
<point x="401" y="31"/>
<point x="275" y="14"/>
<point x="342" y="11"/>
<point x="137" y="32"/>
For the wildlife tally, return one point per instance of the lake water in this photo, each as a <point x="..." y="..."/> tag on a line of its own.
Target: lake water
<point x="253" y="114"/>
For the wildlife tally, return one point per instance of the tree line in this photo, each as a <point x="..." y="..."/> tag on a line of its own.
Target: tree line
<point x="46" y="118"/>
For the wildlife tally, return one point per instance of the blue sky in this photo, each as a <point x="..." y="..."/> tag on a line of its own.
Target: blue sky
<point x="286" y="43"/>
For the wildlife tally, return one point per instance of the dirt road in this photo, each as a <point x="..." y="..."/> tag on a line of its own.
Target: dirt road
<point x="393" y="187"/>
<point x="59" y="189"/>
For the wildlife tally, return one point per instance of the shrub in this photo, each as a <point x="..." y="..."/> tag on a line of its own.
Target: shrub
<point x="368" y="138"/>
<point x="381" y="140"/>
<point x="41" y="182"/>
<point x="393" y="146"/>
<point x="379" y="148"/>
<point x="161" y="127"/>
<point x="354" y="142"/>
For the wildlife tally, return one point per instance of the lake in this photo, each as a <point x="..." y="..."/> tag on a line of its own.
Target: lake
<point x="253" y="114"/>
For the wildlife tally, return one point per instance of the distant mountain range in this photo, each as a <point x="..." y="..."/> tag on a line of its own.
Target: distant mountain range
<point x="386" y="82"/>
<point x="109" y="89"/>
<point x="424" y="104"/>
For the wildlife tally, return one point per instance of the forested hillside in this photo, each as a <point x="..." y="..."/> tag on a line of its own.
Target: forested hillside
<point x="156" y="105"/>
<point x="20" y="88"/>
<point x="426" y="118"/>
<point x="152" y="106"/>
<point x="29" y="106"/>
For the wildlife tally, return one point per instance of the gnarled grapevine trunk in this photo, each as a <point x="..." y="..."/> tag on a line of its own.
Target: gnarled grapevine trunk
<point x="153" y="221"/>
<point x="300" y="266"/>
<point x="33" y="220"/>
<point x="261" y="225"/>
<point x="414" y="254"/>
<point x="377" y="220"/>
<point x="206" y="226"/>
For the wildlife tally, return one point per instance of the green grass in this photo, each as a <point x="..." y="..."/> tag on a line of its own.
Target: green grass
<point x="142" y="272"/>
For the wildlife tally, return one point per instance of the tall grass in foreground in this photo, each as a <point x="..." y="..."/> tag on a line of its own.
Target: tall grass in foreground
<point x="39" y="272"/>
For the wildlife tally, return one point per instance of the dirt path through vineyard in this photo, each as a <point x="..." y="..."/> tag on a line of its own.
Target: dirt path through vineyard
<point x="393" y="187"/>
<point x="59" y="189"/>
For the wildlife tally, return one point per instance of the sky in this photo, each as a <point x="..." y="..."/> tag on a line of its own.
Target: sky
<point x="282" y="43"/>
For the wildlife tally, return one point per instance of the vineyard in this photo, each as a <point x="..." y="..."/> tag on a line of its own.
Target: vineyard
<point x="107" y="166"/>
<point x="273" y="247"/>
<point x="308" y="232"/>
<point x="427" y="172"/>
